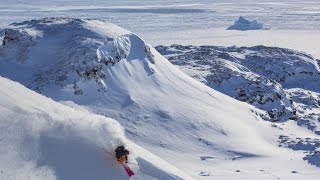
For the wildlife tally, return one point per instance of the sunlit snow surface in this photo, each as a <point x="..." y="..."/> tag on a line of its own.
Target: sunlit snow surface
<point x="294" y="24"/>
<point x="42" y="139"/>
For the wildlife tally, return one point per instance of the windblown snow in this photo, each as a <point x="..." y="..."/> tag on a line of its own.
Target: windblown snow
<point x="113" y="72"/>
<point x="43" y="139"/>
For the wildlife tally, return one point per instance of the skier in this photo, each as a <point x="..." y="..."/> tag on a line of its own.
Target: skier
<point x="122" y="154"/>
<point x="122" y="157"/>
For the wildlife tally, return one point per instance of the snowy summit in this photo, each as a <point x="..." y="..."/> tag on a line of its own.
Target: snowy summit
<point x="244" y="25"/>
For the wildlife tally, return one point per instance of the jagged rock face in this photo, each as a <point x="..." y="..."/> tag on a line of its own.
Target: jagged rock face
<point x="266" y="77"/>
<point x="307" y="104"/>
<point x="16" y="44"/>
<point x="291" y="69"/>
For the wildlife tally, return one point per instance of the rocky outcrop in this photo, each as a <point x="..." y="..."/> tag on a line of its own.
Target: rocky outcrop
<point x="282" y="82"/>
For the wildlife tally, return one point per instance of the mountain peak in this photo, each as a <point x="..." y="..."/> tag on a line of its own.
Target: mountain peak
<point x="64" y="51"/>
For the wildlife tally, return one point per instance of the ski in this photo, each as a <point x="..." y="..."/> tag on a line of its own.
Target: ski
<point x="128" y="170"/>
<point x="125" y="166"/>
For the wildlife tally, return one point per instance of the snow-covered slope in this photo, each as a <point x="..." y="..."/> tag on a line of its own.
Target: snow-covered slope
<point x="113" y="72"/>
<point x="43" y="139"/>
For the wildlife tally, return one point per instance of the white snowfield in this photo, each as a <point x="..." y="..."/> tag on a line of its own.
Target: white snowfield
<point x="113" y="72"/>
<point x="302" y="40"/>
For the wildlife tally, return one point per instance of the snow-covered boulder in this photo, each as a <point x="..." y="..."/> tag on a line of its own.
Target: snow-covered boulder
<point x="244" y="25"/>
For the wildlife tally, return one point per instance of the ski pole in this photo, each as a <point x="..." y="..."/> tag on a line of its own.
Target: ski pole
<point x="133" y="163"/>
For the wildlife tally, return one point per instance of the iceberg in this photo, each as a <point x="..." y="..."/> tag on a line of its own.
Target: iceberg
<point x="244" y="25"/>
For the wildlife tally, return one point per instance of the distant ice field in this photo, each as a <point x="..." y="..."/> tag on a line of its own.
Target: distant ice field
<point x="303" y="40"/>
<point x="293" y="23"/>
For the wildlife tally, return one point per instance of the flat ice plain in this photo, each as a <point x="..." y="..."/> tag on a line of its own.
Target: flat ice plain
<point x="293" y="23"/>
